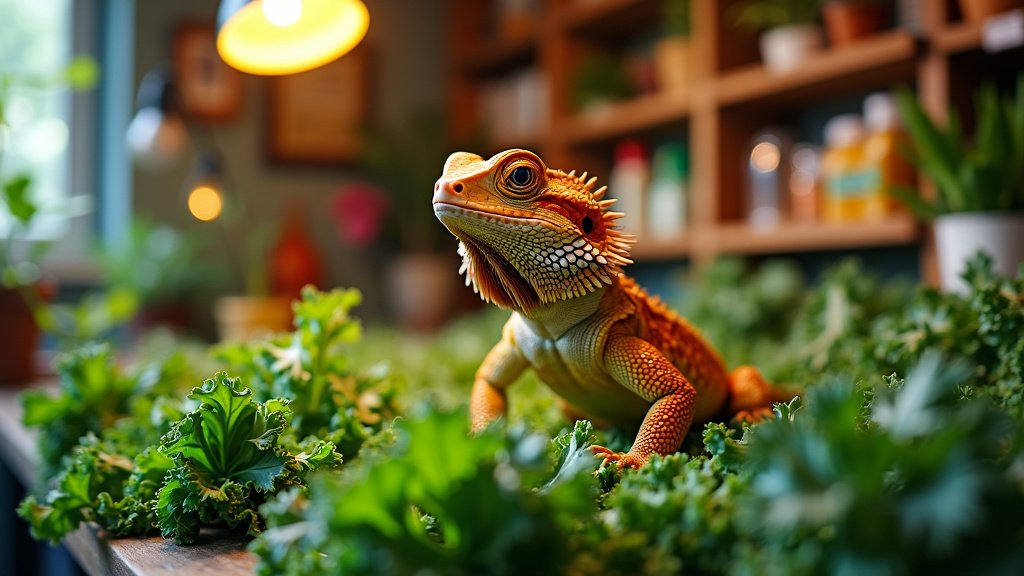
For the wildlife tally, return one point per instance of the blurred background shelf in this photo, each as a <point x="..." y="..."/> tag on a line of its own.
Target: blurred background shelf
<point x="627" y="118"/>
<point x="875" y="61"/>
<point x="730" y="97"/>
<point x="740" y="238"/>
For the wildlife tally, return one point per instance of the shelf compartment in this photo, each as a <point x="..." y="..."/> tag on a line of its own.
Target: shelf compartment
<point x="495" y="57"/>
<point x="627" y="118"/>
<point x="886" y="57"/>
<point x="609" y="19"/>
<point x="739" y="238"/>
<point x="958" y="38"/>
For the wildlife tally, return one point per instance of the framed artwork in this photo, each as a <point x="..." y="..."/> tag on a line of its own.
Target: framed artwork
<point x="207" y="88"/>
<point x="319" y="116"/>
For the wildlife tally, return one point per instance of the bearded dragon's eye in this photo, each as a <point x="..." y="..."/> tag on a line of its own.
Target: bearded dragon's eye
<point x="521" y="176"/>
<point x="521" y="179"/>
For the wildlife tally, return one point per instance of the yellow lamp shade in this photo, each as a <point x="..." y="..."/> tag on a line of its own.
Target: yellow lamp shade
<point x="275" y="37"/>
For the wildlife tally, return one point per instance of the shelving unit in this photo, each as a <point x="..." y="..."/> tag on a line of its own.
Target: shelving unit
<point x="731" y="98"/>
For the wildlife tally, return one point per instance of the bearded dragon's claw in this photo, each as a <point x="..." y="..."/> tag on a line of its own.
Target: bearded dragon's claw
<point x="624" y="459"/>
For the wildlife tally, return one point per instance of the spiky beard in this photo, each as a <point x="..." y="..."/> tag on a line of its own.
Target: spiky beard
<point x="495" y="279"/>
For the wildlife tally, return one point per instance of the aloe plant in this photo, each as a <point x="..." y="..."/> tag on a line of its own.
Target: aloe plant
<point x="984" y="176"/>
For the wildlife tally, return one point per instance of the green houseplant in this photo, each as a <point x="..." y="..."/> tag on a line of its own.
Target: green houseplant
<point x="979" y="200"/>
<point x="790" y="31"/>
<point x="21" y="293"/>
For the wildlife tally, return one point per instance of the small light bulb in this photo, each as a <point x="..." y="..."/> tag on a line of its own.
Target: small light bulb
<point x="282" y="12"/>
<point x="205" y="203"/>
<point x="765" y="157"/>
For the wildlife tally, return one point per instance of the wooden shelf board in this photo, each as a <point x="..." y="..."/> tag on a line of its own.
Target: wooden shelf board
<point x="613" y="121"/>
<point x="739" y="238"/>
<point x="500" y="54"/>
<point x="609" y="18"/>
<point x="885" y="57"/>
<point x="957" y="38"/>
<point x="649" y="249"/>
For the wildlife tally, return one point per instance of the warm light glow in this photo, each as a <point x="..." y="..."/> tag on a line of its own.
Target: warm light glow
<point x="765" y="157"/>
<point x="282" y="12"/>
<point x="323" y="31"/>
<point x="205" y="203"/>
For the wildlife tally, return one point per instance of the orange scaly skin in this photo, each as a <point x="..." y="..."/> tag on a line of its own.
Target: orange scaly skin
<point x="544" y="244"/>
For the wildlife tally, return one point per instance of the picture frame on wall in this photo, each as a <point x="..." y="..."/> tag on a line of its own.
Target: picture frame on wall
<point x="208" y="90"/>
<point x="320" y="116"/>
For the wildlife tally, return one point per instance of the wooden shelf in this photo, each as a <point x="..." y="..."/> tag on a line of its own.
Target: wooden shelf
<point x="958" y="38"/>
<point x="609" y="19"/>
<point x="884" y="58"/>
<point x="648" y="248"/>
<point x="613" y="121"/>
<point x="500" y="54"/>
<point x="739" y="238"/>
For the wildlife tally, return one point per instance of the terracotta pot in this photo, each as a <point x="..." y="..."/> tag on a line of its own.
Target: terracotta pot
<point x="958" y="237"/>
<point x="846" y="22"/>
<point x="783" y="49"/>
<point x="672" y="63"/>
<point x="19" y="339"/>
<point x="246" y="318"/>
<point x="978" y="10"/>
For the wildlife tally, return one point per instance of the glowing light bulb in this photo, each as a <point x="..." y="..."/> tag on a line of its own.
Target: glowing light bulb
<point x="282" y="13"/>
<point x="765" y="157"/>
<point x="205" y="203"/>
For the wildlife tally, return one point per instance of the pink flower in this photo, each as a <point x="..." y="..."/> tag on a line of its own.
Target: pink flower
<point x="359" y="210"/>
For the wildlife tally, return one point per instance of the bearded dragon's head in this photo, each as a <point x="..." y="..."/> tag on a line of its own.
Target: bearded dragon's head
<point x="528" y="235"/>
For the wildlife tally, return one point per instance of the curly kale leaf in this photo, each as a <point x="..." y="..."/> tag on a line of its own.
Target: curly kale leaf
<point x="227" y="461"/>
<point x="436" y="500"/>
<point x="93" y="395"/>
<point x="328" y="398"/>
<point x="928" y="487"/>
<point x="100" y="485"/>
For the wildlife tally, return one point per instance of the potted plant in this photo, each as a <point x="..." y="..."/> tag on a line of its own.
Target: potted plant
<point x="979" y="202"/>
<point x="790" y="32"/>
<point x="21" y="291"/>
<point x="672" y="52"/>
<point x="847" y="21"/>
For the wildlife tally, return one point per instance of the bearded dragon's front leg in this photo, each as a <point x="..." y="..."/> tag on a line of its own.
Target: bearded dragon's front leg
<point x="642" y="368"/>
<point x="502" y="366"/>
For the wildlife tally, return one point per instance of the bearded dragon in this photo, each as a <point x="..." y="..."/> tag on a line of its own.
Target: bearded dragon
<point x="544" y="244"/>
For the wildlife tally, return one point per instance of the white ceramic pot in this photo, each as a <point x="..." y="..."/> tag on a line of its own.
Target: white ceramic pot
<point x="785" y="48"/>
<point x="958" y="237"/>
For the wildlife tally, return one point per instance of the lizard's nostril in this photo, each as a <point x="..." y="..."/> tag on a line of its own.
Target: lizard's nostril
<point x="457" y="187"/>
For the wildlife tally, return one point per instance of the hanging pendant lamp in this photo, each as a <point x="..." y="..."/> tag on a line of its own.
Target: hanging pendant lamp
<point x="275" y="37"/>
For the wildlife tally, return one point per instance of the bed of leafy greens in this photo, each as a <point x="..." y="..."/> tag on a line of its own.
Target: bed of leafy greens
<point x="347" y="453"/>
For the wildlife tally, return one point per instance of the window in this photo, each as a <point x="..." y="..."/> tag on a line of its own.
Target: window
<point x="36" y="44"/>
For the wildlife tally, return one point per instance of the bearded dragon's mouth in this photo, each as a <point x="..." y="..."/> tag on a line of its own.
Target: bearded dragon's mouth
<point x="491" y="275"/>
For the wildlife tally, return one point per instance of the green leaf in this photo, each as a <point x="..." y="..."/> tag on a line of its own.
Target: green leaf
<point x="16" y="196"/>
<point x="82" y="73"/>
<point x="229" y="437"/>
<point x="934" y="151"/>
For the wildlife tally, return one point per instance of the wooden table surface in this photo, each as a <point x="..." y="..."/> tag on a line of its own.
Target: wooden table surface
<point x="217" y="552"/>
